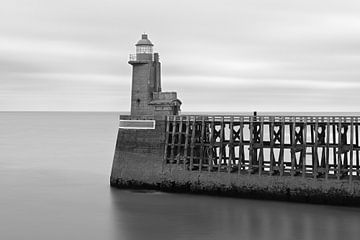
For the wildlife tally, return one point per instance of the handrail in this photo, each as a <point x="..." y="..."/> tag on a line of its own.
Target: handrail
<point x="274" y="118"/>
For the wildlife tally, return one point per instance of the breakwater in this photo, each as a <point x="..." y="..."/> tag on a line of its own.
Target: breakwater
<point x="302" y="158"/>
<point x="295" y="158"/>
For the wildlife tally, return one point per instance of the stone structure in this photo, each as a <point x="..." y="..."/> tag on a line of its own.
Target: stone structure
<point x="293" y="158"/>
<point x="146" y="96"/>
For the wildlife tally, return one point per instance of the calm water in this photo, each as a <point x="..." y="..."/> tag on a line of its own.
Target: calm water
<point x="54" y="183"/>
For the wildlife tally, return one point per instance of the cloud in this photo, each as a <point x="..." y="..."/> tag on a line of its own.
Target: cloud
<point x="283" y="55"/>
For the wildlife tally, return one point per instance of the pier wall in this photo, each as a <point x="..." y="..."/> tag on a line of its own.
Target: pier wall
<point x="139" y="154"/>
<point x="199" y="155"/>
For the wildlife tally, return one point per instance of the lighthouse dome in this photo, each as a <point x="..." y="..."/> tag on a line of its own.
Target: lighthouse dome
<point x="144" y="41"/>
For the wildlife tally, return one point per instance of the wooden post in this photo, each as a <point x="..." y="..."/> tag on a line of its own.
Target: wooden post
<point x="272" y="157"/>
<point x="231" y="144"/>
<point x="351" y="149"/>
<point x="334" y="144"/>
<point x="180" y="133"/>
<point x="293" y="146"/>
<point x="173" y="140"/>
<point x="357" y="146"/>
<point x="312" y="143"/>
<point x="212" y="141"/>
<point x="339" y="151"/>
<point x="192" y="146"/>
<point x="251" y="144"/>
<point x="327" y="149"/>
<point x="202" y="143"/>
<point x="166" y="139"/>
<point x="221" y="143"/>
<point x="261" y="154"/>
<point x="315" y="149"/>
<point x="282" y="138"/>
<point x="241" y="145"/>
<point x="304" y="148"/>
<point x="186" y="140"/>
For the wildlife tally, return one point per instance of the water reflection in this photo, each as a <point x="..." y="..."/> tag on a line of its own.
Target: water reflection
<point x="154" y="215"/>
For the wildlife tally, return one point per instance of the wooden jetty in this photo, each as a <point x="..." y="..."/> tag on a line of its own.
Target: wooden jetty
<point x="298" y="146"/>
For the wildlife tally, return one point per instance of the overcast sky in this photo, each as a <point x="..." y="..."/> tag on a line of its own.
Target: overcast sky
<point x="229" y="55"/>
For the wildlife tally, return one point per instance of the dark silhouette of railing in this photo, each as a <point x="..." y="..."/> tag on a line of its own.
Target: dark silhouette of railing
<point x="304" y="146"/>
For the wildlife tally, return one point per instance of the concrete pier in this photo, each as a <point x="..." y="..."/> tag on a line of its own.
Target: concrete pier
<point x="235" y="156"/>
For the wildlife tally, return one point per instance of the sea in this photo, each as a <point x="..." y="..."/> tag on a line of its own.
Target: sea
<point x="54" y="184"/>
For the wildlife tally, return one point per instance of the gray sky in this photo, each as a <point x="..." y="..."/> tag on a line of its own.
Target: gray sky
<point x="228" y="55"/>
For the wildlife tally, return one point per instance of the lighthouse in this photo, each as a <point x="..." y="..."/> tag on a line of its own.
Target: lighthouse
<point x="147" y="99"/>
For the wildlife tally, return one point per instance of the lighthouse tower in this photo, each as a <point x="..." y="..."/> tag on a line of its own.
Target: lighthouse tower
<point x="147" y="99"/>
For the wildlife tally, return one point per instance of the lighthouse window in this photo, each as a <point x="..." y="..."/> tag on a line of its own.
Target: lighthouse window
<point x="144" y="49"/>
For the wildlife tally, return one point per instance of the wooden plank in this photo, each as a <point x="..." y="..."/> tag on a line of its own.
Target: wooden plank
<point x="192" y="146"/>
<point x="180" y="134"/>
<point x="212" y="141"/>
<point x="186" y="141"/>
<point x="231" y="144"/>
<point x="202" y="143"/>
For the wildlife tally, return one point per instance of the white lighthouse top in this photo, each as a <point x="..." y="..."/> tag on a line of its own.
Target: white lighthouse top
<point x="144" y="41"/>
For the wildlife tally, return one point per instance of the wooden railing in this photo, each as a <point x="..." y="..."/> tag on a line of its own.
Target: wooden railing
<point x="304" y="146"/>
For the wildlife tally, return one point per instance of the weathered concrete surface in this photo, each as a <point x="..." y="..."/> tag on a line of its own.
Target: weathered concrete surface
<point x="138" y="163"/>
<point x="138" y="154"/>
